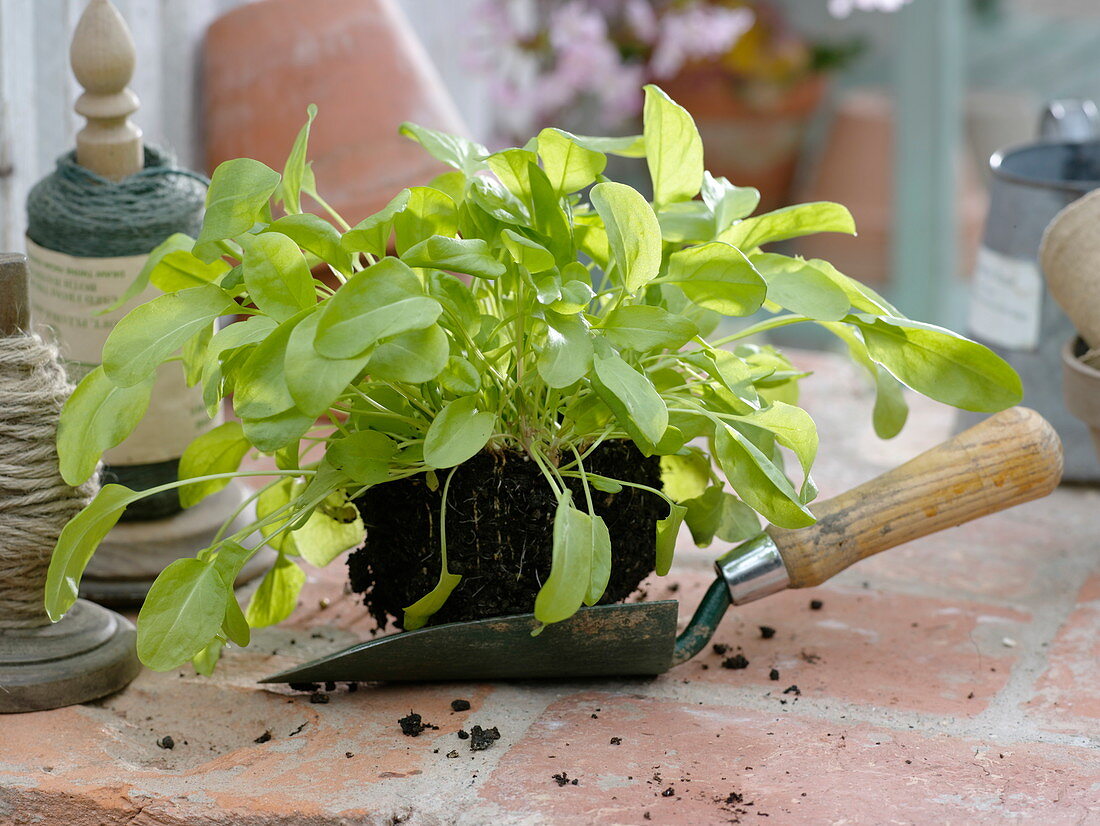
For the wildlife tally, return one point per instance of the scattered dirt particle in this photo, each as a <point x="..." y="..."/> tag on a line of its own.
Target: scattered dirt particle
<point x="263" y="738"/>
<point x="793" y="689"/>
<point x="318" y="697"/>
<point x="737" y="661"/>
<point x="348" y="755"/>
<point x="563" y="779"/>
<point x="767" y="632"/>
<point x="669" y="792"/>
<point x="812" y="659"/>
<point x="304" y="686"/>
<point x="970" y="696"/>
<point x="353" y="687"/>
<point x="773" y="674"/>
<point x="816" y="605"/>
<point x="595" y="717"/>
<point x="453" y="753"/>
<point x="481" y="739"/>
<point x="299" y="729"/>
<point x="463" y="734"/>
<point x="720" y="648"/>
<point x="330" y="685"/>
<point x="616" y="741"/>
<point x="673" y="587"/>
<point x="460" y="705"/>
<point x="413" y="725"/>
<point x="166" y="742"/>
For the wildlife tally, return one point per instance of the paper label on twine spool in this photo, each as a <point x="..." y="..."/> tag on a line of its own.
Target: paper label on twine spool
<point x="1006" y="300"/>
<point x="66" y="295"/>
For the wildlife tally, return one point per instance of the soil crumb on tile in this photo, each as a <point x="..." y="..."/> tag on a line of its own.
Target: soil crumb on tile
<point x="413" y="725"/>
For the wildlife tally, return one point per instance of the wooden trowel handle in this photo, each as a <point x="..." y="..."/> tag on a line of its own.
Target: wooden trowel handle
<point x="1010" y="458"/>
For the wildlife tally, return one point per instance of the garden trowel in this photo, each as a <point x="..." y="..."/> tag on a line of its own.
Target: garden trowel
<point x="1010" y="458"/>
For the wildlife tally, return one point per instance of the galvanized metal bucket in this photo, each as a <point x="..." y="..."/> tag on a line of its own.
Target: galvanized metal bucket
<point x="1010" y="309"/>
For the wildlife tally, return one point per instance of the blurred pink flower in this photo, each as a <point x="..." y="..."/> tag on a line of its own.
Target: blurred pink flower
<point x="641" y="19"/>
<point x="576" y="24"/>
<point x="844" y="8"/>
<point x="696" y="32"/>
<point x="551" y="60"/>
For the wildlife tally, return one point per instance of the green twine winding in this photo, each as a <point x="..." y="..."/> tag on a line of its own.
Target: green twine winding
<point x="77" y="212"/>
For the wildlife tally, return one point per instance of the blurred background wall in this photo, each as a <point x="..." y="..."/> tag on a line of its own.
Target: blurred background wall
<point x="955" y="78"/>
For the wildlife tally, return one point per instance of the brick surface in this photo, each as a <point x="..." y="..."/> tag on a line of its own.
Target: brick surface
<point x="1067" y="694"/>
<point x="863" y="646"/>
<point x="726" y="765"/>
<point x="1006" y="609"/>
<point x="344" y="759"/>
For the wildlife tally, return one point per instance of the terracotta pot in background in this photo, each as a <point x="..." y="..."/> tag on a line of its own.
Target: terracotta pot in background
<point x="752" y="141"/>
<point x="359" y="61"/>
<point x="856" y="168"/>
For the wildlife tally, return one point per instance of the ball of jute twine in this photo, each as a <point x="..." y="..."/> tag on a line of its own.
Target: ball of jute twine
<point x="35" y="502"/>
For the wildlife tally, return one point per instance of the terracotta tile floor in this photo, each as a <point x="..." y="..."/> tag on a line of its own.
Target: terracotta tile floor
<point x="955" y="681"/>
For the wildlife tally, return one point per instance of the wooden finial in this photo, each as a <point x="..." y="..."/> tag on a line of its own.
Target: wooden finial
<point x="14" y="305"/>
<point x="102" y="56"/>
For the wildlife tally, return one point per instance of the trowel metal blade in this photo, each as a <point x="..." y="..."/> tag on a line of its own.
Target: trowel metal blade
<point x="605" y="640"/>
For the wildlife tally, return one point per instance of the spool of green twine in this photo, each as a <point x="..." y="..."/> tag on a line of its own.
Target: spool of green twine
<point x="79" y="213"/>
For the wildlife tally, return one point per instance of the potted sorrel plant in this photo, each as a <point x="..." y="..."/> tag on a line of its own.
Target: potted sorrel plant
<point x="515" y="409"/>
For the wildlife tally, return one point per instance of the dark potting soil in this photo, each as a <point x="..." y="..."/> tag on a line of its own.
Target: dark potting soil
<point x="413" y="725"/>
<point x="500" y="516"/>
<point x="483" y="738"/>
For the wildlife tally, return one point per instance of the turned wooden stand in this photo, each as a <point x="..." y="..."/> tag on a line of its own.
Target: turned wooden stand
<point x="91" y="652"/>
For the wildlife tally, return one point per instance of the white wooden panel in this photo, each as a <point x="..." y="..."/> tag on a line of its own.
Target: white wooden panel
<point x="20" y="125"/>
<point x="143" y="18"/>
<point x="55" y="117"/>
<point x="37" y="88"/>
<point x="444" y="27"/>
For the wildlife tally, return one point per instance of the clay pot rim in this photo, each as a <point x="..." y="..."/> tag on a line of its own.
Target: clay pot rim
<point x="1073" y="362"/>
<point x="1081" y="390"/>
